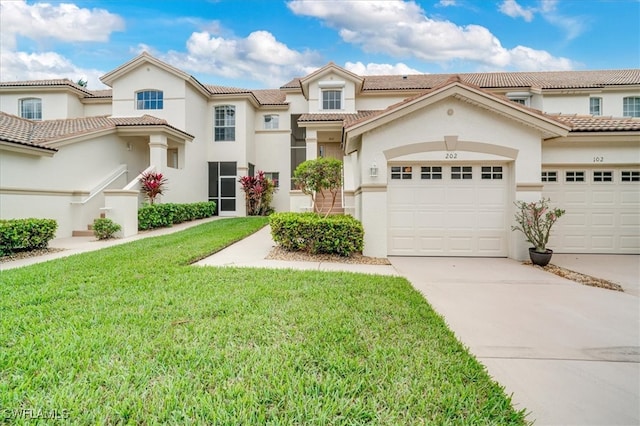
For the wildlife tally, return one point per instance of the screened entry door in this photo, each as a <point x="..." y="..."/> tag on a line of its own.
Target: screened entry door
<point x="222" y="186"/>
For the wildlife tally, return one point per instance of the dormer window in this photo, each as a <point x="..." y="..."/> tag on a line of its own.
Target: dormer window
<point x="149" y="99"/>
<point x="522" y="98"/>
<point x="31" y="108"/>
<point x="331" y="99"/>
<point x="332" y="95"/>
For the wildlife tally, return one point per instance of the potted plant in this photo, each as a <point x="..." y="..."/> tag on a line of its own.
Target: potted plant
<point x="535" y="220"/>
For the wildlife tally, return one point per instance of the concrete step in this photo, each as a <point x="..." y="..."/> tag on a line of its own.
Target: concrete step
<point x="81" y="233"/>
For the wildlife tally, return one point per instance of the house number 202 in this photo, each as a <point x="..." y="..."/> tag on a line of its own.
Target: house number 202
<point x="598" y="159"/>
<point x="451" y="156"/>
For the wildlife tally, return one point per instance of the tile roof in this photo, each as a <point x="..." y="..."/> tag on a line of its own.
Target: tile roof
<point x="62" y="82"/>
<point x="589" y="123"/>
<point x="497" y="80"/>
<point x="41" y="133"/>
<point x="345" y="118"/>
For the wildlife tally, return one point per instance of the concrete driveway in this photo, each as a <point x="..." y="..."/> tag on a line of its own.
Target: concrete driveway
<point x="568" y="353"/>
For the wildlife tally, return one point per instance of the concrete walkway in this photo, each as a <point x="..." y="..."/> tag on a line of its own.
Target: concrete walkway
<point x="568" y="353"/>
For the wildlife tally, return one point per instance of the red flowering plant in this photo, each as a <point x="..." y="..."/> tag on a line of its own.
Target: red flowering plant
<point x="258" y="191"/>
<point x="152" y="184"/>
<point x="535" y="220"/>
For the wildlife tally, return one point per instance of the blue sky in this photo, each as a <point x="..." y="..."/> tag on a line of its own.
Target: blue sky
<point x="265" y="43"/>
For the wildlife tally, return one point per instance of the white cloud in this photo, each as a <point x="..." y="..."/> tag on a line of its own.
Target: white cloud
<point x="380" y="69"/>
<point x="513" y="9"/>
<point x="572" y="26"/>
<point x="259" y="56"/>
<point x="16" y="66"/>
<point x="403" y="30"/>
<point x="64" y="22"/>
<point x="447" y="3"/>
<point x="43" y="23"/>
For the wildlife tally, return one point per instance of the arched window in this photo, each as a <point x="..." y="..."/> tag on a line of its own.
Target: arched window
<point x="31" y="108"/>
<point x="225" y="123"/>
<point x="149" y="99"/>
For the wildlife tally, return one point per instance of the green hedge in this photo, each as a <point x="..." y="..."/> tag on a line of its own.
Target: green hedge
<point x="310" y="232"/>
<point x="25" y="234"/>
<point x="104" y="228"/>
<point x="164" y="215"/>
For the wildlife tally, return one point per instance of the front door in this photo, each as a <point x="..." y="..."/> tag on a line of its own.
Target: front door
<point x="222" y="186"/>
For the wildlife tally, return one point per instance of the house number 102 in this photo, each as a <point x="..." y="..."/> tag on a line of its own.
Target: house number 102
<point x="598" y="159"/>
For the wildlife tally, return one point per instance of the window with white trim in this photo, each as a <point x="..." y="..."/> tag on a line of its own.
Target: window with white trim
<point x="401" y="172"/>
<point x="574" y="176"/>
<point x="31" y="108"/>
<point x="150" y="99"/>
<point x="271" y="121"/>
<point x="461" y="172"/>
<point x="595" y="106"/>
<point x="631" y="106"/>
<point x="225" y="123"/>
<point x="549" y="176"/>
<point x="630" y="176"/>
<point x="602" y="176"/>
<point x="431" y="172"/>
<point x="491" y="172"/>
<point x="331" y="99"/>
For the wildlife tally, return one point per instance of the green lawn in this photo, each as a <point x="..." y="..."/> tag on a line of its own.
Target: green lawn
<point x="132" y="334"/>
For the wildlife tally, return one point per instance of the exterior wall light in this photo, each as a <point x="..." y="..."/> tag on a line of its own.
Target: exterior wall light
<point x="373" y="171"/>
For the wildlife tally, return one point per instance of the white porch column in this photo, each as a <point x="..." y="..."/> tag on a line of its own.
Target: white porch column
<point x="312" y="144"/>
<point x="528" y="192"/>
<point x="158" y="152"/>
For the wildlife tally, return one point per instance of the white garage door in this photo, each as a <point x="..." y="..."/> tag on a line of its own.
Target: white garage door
<point x="448" y="210"/>
<point x="602" y="209"/>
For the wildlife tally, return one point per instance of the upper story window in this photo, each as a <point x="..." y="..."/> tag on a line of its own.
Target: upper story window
<point x="331" y="99"/>
<point x="225" y="123"/>
<point x="522" y="98"/>
<point x="631" y="106"/>
<point x="31" y="108"/>
<point x="271" y="121"/>
<point x="149" y="99"/>
<point x="595" y="106"/>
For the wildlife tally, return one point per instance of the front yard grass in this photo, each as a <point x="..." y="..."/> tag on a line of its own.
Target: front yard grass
<point x="132" y="334"/>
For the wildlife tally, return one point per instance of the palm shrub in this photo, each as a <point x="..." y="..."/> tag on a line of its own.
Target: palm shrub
<point x="152" y="184"/>
<point x="535" y="220"/>
<point x="258" y="192"/>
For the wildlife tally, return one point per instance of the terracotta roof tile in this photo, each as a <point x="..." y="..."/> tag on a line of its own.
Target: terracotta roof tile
<point x="497" y="80"/>
<point x="40" y="133"/>
<point x="589" y="123"/>
<point x="345" y="118"/>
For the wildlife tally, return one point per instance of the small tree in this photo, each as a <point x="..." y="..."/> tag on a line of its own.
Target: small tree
<point x="316" y="177"/>
<point x="258" y="193"/>
<point x="152" y="185"/>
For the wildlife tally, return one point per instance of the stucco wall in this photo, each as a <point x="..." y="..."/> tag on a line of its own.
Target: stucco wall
<point x="55" y="105"/>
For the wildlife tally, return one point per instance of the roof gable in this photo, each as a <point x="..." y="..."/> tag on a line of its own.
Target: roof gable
<point x="456" y="88"/>
<point x="330" y="68"/>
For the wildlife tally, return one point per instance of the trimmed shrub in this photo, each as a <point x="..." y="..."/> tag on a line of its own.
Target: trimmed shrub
<point x="25" y="234"/>
<point x="104" y="228"/>
<point x="313" y="233"/>
<point x="151" y="216"/>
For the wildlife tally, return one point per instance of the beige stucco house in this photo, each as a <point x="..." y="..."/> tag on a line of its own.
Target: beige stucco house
<point x="432" y="163"/>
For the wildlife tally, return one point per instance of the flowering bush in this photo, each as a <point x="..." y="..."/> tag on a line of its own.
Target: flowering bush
<point x="535" y="220"/>
<point x="258" y="191"/>
<point x="152" y="185"/>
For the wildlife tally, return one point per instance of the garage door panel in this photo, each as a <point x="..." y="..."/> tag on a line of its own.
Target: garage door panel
<point x="602" y="217"/>
<point x="450" y="217"/>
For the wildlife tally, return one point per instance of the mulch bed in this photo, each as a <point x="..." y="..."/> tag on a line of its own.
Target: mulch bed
<point x="579" y="278"/>
<point x="28" y="253"/>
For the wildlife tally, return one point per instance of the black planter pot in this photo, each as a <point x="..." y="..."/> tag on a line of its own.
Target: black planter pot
<point x="540" y="259"/>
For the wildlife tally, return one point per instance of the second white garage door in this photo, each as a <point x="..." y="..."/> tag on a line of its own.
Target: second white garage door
<point x="602" y="209"/>
<point x="448" y="210"/>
